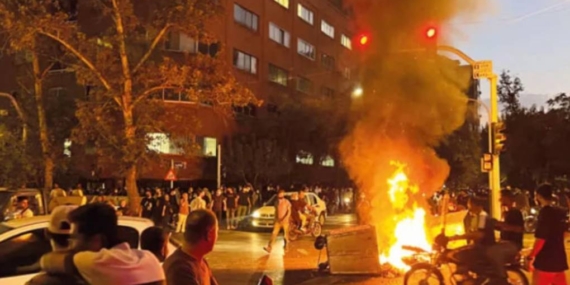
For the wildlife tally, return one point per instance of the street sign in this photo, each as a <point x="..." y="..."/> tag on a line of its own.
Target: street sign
<point x="483" y="69"/>
<point x="170" y="176"/>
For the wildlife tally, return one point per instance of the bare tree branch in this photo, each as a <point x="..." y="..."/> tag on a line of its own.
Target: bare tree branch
<point x="152" y="47"/>
<point x="81" y="57"/>
<point x="20" y="114"/>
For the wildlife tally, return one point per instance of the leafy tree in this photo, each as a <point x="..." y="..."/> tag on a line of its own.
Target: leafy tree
<point x="509" y="90"/>
<point x="122" y="61"/>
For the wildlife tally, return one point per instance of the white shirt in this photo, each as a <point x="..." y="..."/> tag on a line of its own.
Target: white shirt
<point x="197" y="203"/>
<point x="118" y="265"/>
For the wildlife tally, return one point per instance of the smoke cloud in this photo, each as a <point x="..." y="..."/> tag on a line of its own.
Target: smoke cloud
<point x="411" y="101"/>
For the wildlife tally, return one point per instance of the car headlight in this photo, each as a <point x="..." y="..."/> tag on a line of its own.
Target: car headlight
<point x="256" y="214"/>
<point x="533" y="211"/>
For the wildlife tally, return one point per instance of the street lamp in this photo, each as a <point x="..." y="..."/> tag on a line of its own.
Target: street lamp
<point x="357" y="92"/>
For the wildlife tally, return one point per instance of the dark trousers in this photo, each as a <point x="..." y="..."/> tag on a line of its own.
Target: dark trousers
<point x="219" y="215"/>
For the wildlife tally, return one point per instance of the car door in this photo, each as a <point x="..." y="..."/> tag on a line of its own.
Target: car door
<point x="19" y="255"/>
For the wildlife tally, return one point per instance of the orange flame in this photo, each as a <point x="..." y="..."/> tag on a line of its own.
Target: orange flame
<point x="410" y="223"/>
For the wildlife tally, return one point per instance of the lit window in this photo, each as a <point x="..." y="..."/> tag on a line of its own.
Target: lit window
<point x="180" y="42"/>
<point x="210" y="147"/>
<point x="305" y="14"/>
<point x="158" y="142"/>
<point x="346" y="42"/>
<point x="245" y="17"/>
<point x="304" y="157"/>
<point x="346" y="73"/>
<point x="305" y="49"/>
<point x="327" y="61"/>
<point x="327" y="29"/>
<point x="327" y="161"/>
<point x="67" y="147"/>
<point x="279" y="35"/>
<point x="245" y="62"/>
<point x="284" y="3"/>
<point x="304" y="85"/>
<point x="278" y="75"/>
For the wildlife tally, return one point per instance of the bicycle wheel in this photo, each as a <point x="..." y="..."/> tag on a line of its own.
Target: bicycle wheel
<point x="423" y="274"/>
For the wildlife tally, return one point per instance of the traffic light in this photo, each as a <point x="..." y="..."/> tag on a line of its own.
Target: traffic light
<point x="362" y="41"/>
<point x="499" y="137"/>
<point x="431" y="34"/>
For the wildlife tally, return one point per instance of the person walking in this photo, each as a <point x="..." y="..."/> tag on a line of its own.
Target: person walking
<point x="183" y="212"/>
<point x="244" y="203"/>
<point x="219" y="205"/>
<point x="282" y="215"/>
<point x="548" y="255"/>
<point x="231" y="204"/>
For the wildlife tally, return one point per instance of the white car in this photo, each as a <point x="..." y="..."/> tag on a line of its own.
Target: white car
<point x="264" y="216"/>
<point x="23" y="242"/>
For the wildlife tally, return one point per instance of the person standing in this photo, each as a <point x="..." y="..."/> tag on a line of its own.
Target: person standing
<point x="187" y="264"/>
<point x="219" y="205"/>
<point x="244" y="203"/>
<point x="147" y="205"/>
<point x="548" y="255"/>
<point x="511" y="241"/>
<point x="198" y="203"/>
<point x="183" y="211"/>
<point x="78" y="191"/>
<point x="231" y="204"/>
<point x="282" y="214"/>
<point x="167" y="213"/>
<point x="158" y="209"/>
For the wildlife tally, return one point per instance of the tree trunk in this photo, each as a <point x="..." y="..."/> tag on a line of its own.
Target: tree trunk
<point x="42" y="123"/>
<point x="132" y="191"/>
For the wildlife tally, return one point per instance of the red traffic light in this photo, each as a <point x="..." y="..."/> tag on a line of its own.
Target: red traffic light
<point x="431" y="32"/>
<point x="363" y="40"/>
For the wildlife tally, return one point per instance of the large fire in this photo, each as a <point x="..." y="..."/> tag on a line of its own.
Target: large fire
<point x="410" y="222"/>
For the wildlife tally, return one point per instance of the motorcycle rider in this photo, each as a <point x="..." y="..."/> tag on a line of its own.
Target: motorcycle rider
<point x="479" y="233"/>
<point x="306" y="210"/>
<point x="511" y="240"/>
<point x="296" y="207"/>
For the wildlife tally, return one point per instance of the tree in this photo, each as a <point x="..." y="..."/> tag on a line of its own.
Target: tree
<point x="122" y="62"/>
<point x="509" y="90"/>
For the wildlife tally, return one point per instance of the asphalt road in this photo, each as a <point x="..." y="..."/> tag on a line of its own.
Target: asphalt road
<point x="239" y="258"/>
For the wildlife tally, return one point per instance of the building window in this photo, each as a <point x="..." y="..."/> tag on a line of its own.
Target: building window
<point x="327" y="161"/>
<point x="278" y="75"/>
<point x="209" y="49"/>
<point x="304" y="85"/>
<point x="180" y="42"/>
<point x="304" y="157"/>
<point x="245" y="17"/>
<point x="158" y="142"/>
<point x="327" y="29"/>
<point x="346" y="72"/>
<point x="284" y="3"/>
<point x="305" y="14"/>
<point x="327" y="61"/>
<point x="67" y="147"/>
<point x="247" y="110"/>
<point x="210" y="146"/>
<point x="346" y="42"/>
<point x="326" y="91"/>
<point x="279" y="35"/>
<point x="306" y="49"/>
<point x="245" y="62"/>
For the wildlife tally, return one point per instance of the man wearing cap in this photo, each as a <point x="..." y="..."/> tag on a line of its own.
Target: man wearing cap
<point x="58" y="232"/>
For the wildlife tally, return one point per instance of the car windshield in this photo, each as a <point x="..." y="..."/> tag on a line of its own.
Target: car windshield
<point x="5" y="201"/>
<point x="4" y="228"/>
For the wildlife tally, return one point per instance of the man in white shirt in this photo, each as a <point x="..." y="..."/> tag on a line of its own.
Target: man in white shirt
<point x="198" y="203"/>
<point x="23" y="208"/>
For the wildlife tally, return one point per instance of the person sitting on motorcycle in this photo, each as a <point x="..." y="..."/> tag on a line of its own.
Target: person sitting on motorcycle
<point x="511" y="241"/>
<point x="479" y="233"/>
<point x="296" y="207"/>
<point x="306" y="212"/>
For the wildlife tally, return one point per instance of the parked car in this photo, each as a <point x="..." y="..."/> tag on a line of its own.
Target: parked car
<point x="9" y="197"/>
<point x="23" y="242"/>
<point x="264" y="216"/>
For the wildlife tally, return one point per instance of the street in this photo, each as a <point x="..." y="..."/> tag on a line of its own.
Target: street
<point x="239" y="258"/>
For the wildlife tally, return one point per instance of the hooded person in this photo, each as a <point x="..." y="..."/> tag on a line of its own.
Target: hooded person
<point x="58" y="232"/>
<point x="98" y="256"/>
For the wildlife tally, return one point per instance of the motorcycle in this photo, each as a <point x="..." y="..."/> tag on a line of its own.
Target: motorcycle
<point x="427" y="266"/>
<point x="314" y="228"/>
<point x="530" y="220"/>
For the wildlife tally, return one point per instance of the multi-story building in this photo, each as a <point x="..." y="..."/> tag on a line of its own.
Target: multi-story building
<point x="276" y="47"/>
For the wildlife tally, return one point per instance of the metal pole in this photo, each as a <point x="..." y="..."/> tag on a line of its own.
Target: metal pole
<point x="172" y="168"/>
<point x="495" y="174"/>
<point x="219" y="167"/>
